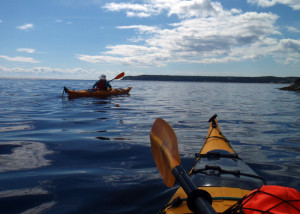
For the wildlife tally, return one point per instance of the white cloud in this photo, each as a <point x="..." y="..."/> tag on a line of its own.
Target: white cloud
<point x="287" y="51"/>
<point x="181" y="8"/>
<point x="125" y="6"/>
<point x="37" y="70"/>
<point x="44" y="70"/>
<point x="26" y="27"/>
<point x="141" y="28"/>
<point x="195" y="8"/>
<point x="295" y="4"/>
<point x="205" y="33"/>
<point x="61" y="21"/>
<point x="213" y="36"/>
<point x="19" y="59"/>
<point x="140" y="14"/>
<point x="27" y="50"/>
<point x="293" y="29"/>
<point x="1" y="21"/>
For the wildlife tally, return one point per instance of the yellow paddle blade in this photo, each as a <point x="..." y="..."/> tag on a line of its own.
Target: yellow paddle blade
<point x="119" y="76"/>
<point x="164" y="150"/>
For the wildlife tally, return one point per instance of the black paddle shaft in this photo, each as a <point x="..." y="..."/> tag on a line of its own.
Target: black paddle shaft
<point x="199" y="201"/>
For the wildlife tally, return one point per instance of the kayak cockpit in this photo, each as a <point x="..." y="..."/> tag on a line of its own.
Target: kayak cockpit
<point x="222" y="168"/>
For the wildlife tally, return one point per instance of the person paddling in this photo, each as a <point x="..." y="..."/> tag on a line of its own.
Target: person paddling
<point x="102" y="84"/>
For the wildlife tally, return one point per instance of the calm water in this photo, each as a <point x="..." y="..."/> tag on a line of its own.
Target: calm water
<point x="92" y="155"/>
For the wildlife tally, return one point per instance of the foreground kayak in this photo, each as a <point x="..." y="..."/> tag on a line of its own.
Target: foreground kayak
<point x="91" y="93"/>
<point x="219" y="181"/>
<point x="219" y="171"/>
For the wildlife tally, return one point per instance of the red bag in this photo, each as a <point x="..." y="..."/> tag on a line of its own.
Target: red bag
<point x="272" y="199"/>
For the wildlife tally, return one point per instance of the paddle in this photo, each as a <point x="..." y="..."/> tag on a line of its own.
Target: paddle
<point x="166" y="156"/>
<point x="119" y="76"/>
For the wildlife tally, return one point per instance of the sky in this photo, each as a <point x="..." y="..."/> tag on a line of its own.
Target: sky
<point x="82" y="39"/>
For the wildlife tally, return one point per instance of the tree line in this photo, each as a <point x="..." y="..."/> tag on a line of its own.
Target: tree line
<point x="263" y="79"/>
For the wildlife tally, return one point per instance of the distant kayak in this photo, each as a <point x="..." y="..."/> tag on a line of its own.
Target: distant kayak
<point x="96" y="93"/>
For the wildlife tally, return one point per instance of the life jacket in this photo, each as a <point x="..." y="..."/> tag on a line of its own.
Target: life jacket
<point x="101" y="85"/>
<point x="269" y="199"/>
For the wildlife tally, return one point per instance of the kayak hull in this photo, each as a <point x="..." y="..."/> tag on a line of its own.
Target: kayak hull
<point x="219" y="171"/>
<point x="90" y="93"/>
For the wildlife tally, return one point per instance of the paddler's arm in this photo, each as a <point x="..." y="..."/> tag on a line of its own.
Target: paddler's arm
<point x="108" y="86"/>
<point x="95" y="85"/>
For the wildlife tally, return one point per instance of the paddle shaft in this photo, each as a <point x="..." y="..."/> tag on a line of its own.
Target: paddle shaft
<point x="196" y="203"/>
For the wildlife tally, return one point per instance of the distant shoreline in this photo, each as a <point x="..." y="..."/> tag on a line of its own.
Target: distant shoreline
<point x="263" y="79"/>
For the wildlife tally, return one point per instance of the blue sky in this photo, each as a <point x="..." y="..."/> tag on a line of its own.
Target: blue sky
<point x="81" y="39"/>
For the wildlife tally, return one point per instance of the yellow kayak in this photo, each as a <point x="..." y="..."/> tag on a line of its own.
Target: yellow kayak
<point x="96" y="93"/>
<point x="218" y="170"/>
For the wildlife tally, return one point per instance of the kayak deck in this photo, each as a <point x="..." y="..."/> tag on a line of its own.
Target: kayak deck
<point x="219" y="171"/>
<point x="91" y="93"/>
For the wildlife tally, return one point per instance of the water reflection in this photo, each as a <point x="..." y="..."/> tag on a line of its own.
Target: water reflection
<point x="15" y="128"/>
<point x="41" y="208"/>
<point x="20" y="155"/>
<point x="136" y="176"/>
<point x="40" y="200"/>
<point x="22" y="192"/>
<point x="97" y="102"/>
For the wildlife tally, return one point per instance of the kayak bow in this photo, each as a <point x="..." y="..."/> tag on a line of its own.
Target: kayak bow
<point x="219" y="171"/>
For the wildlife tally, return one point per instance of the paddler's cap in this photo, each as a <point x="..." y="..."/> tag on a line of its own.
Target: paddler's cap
<point x="102" y="77"/>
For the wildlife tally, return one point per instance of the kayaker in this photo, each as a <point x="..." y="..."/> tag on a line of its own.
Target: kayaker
<point x="102" y="83"/>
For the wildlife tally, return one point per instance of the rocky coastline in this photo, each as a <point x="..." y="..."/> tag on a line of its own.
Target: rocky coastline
<point x="293" y="87"/>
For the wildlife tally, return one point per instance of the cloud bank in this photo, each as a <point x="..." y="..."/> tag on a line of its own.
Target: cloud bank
<point x="295" y="4"/>
<point x="205" y="33"/>
<point x="44" y="71"/>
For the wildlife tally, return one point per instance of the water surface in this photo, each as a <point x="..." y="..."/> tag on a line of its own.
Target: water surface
<point x="93" y="155"/>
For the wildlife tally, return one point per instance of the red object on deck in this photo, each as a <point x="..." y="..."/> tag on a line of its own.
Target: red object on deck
<point x="272" y="199"/>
